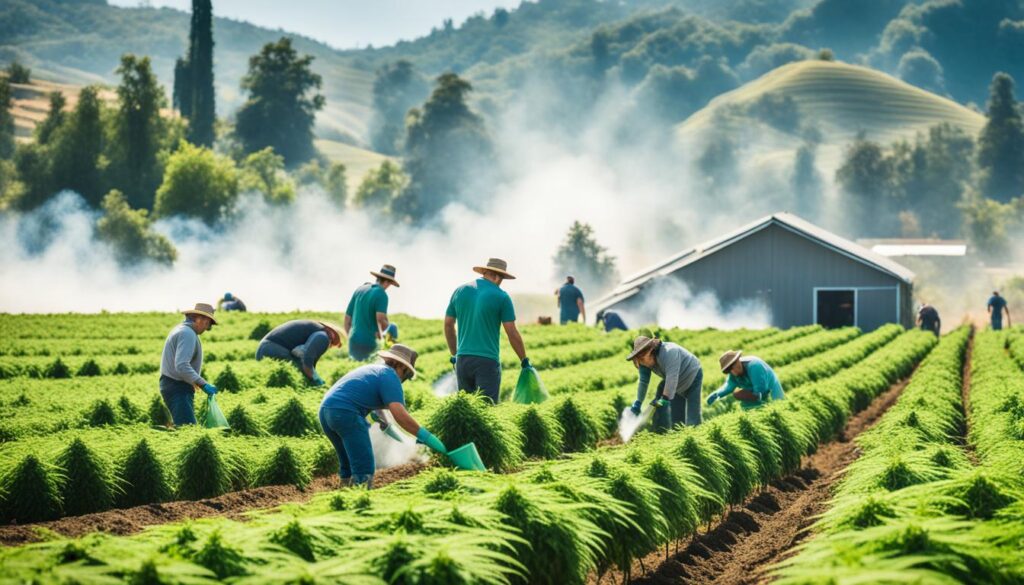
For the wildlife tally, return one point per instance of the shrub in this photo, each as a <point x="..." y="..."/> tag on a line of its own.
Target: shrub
<point x="88" y="482"/>
<point x="224" y="560"/>
<point x="296" y="539"/>
<point x="768" y="452"/>
<point x="741" y="463"/>
<point x="101" y="413"/>
<point x="57" y="370"/>
<point x="202" y="471"/>
<point x="120" y="369"/>
<point x="579" y="430"/>
<point x="680" y="502"/>
<point x="144" y="477"/>
<point x="292" y="420"/>
<point x="281" y="377"/>
<point x="542" y="435"/>
<point x="89" y="368"/>
<point x="158" y="413"/>
<point x="227" y="380"/>
<point x="242" y="423"/>
<point x="260" y="330"/>
<point x="442" y="481"/>
<point x="468" y="418"/>
<point x="129" y="411"/>
<point x="31" y="492"/>
<point x="283" y="467"/>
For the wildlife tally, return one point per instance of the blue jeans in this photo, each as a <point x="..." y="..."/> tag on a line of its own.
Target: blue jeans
<point x="479" y="374"/>
<point x="350" y="435"/>
<point x="276" y="351"/>
<point x="180" y="400"/>
<point x="997" y="324"/>
<point x="684" y="408"/>
<point x="361" y="352"/>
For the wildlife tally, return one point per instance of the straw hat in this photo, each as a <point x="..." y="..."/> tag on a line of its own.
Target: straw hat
<point x="202" y="309"/>
<point x="495" y="265"/>
<point x="729" y="358"/>
<point x="641" y="344"/>
<point x="338" y="330"/>
<point x="387" y="272"/>
<point x="402" y="354"/>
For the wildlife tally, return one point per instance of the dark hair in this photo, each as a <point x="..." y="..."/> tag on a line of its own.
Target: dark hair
<point x="570" y="280"/>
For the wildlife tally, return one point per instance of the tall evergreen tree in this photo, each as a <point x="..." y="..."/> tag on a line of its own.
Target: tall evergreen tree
<point x="138" y="132"/>
<point x="582" y="256"/>
<point x="280" y="111"/>
<point x="396" y="89"/>
<point x="6" y="120"/>
<point x="1001" y="144"/>
<point x="76" y="148"/>
<point x="202" y="113"/>
<point x="182" y="94"/>
<point x="54" y="118"/>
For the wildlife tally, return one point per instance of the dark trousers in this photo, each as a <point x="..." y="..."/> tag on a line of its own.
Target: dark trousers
<point x="180" y="400"/>
<point x="276" y="351"/>
<point x="479" y="374"/>
<point x="683" y="409"/>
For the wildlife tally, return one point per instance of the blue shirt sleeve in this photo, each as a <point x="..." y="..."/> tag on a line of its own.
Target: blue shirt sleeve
<point x="316" y="346"/>
<point x="381" y="302"/>
<point x="645" y="380"/>
<point x="391" y="388"/>
<point x="450" y="311"/>
<point x="351" y="306"/>
<point x="728" y="387"/>
<point x="508" y="312"/>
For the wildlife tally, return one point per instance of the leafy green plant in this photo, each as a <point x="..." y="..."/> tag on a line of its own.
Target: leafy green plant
<point x="158" y="413"/>
<point x="542" y="435"/>
<point x="579" y="430"/>
<point x="225" y="561"/>
<point x="283" y="467"/>
<point x="467" y="418"/>
<point x="292" y="420"/>
<point x="57" y="369"/>
<point x="260" y="330"/>
<point x="243" y="423"/>
<point x="227" y="380"/>
<point x="88" y="484"/>
<point x="31" y="492"/>
<point x="120" y="369"/>
<point x="101" y="413"/>
<point x="144" y="477"/>
<point x="129" y="411"/>
<point x="89" y="368"/>
<point x="296" y="539"/>
<point x="202" y="471"/>
<point x="281" y="377"/>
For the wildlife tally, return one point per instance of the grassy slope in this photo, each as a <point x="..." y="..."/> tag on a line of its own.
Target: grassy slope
<point x="839" y="99"/>
<point x="357" y="161"/>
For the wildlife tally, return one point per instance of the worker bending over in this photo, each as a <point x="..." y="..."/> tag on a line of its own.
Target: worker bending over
<point x="366" y="317"/>
<point x="181" y="362"/>
<point x="678" y="396"/>
<point x="928" y="319"/>
<point x="750" y="381"/>
<point x="611" y="320"/>
<point x="362" y="391"/>
<point x="231" y="303"/>
<point x="301" y="342"/>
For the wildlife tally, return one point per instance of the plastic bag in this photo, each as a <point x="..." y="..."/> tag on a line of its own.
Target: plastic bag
<point x="214" y="417"/>
<point x="529" y="389"/>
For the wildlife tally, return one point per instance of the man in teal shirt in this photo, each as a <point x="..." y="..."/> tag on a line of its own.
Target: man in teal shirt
<point x="366" y="317"/>
<point x="750" y="381"/>
<point x="481" y="309"/>
<point x="570" y="302"/>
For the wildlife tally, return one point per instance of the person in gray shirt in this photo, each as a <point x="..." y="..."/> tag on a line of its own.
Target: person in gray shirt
<point x="181" y="362"/>
<point x="678" y="400"/>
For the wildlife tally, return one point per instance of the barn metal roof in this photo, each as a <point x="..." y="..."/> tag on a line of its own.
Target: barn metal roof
<point x="631" y="285"/>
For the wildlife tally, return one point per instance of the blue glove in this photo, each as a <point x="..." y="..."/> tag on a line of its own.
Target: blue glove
<point x="635" y="409"/>
<point x="427" y="438"/>
<point x="659" y="402"/>
<point x="712" y="398"/>
<point x="526" y="363"/>
<point x="452" y="360"/>
<point x="375" y="417"/>
<point x="209" y="389"/>
<point x="317" y="380"/>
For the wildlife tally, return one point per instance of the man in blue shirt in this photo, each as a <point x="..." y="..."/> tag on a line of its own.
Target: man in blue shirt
<point x="365" y="390"/>
<point x="996" y="306"/>
<point x="570" y="302"/>
<point x="611" y="320"/>
<point x="750" y="381"/>
<point x="231" y="303"/>
<point x="481" y="310"/>
<point x="302" y="342"/>
<point x="367" y="315"/>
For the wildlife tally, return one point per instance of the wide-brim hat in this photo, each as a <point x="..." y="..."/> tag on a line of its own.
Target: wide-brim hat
<point x="729" y="358"/>
<point x="387" y="272"/>
<point x="402" y="354"/>
<point x="334" y="328"/>
<point x="204" y="310"/>
<point x="641" y="344"/>
<point x="495" y="265"/>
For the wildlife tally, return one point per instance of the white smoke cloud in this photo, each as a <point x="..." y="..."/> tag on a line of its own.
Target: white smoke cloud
<point x="670" y="303"/>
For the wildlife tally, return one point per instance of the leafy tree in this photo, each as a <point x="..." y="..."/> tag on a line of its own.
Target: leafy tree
<point x="263" y="171"/>
<point x="6" y="120"/>
<point x="336" y="184"/>
<point x="32" y="163"/>
<point x="1001" y="144"/>
<point x="18" y="73"/>
<point x="806" y="180"/>
<point x="396" y="88"/>
<point x="988" y="224"/>
<point x="279" y="113"/>
<point x="582" y="256"/>
<point x="55" y="117"/>
<point x="197" y="183"/>
<point x="138" y="132"/>
<point x="202" y="112"/>
<point x="866" y="177"/>
<point x="447" y="152"/>
<point x="76" y="149"/>
<point x="129" y="232"/>
<point x="380" y="187"/>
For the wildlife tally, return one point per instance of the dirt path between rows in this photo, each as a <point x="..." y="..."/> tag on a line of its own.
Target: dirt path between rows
<point x="234" y="505"/>
<point x="762" y="532"/>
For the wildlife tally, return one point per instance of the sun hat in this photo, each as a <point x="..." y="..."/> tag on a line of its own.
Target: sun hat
<point x="495" y="265"/>
<point x="387" y="272"/>
<point x="334" y="328"/>
<point x="202" y="309"/>
<point x="641" y="344"/>
<point x="402" y="354"/>
<point x="729" y="358"/>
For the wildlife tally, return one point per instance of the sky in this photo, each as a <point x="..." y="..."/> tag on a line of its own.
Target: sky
<point x="344" y="24"/>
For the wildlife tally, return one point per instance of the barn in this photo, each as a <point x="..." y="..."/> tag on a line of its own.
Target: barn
<point x="801" y="273"/>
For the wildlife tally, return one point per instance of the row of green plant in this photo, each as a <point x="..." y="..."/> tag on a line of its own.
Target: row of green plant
<point x="913" y="507"/>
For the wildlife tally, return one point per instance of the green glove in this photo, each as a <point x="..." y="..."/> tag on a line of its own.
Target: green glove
<point x="659" y="402"/>
<point x="427" y="438"/>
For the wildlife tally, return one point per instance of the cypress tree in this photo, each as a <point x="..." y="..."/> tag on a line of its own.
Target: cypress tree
<point x="200" y="61"/>
<point x="182" y="95"/>
<point x="138" y="131"/>
<point x="1001" y="144"/>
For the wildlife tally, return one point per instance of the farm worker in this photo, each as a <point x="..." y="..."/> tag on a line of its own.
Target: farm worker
<point x="367" y="315"/>
<point x="611" y="320"/>
<point x="678" y="397"/>
<point x="481" y="309"/>
<point x="996" y="306"/>
<point x="181" y="362"/>
<point x="301" y="342"/>
<point x="570" y="302"/>
<point x="231" y="303"/>
<point x="928" y="319"/>
<point x="749" y="380"/>
<point x="365" y="390"/>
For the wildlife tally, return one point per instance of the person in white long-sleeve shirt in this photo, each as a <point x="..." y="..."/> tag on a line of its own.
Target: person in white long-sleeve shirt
<point x="182" y="362"/>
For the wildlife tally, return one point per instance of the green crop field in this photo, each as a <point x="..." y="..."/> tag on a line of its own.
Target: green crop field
<point x="85" y="435"/>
